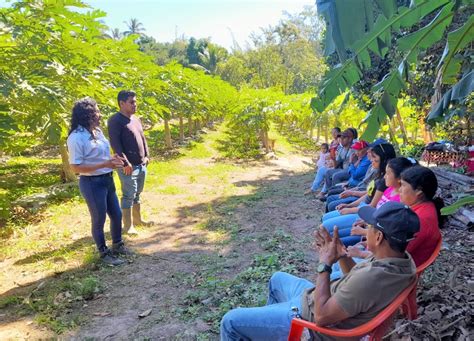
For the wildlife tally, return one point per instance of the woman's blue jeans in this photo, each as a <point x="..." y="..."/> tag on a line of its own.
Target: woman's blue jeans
<point x="132" y="185"/>
<point x="271" y="322"/>
<point x="101" y="198"/>
<point x="318" y="179"/>
<point x="344" y="224"/>
<point x="333" y="200"/>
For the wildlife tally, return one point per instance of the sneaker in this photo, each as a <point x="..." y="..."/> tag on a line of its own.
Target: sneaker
<point x="121" y="249"/>
<point x="108" y="258"/>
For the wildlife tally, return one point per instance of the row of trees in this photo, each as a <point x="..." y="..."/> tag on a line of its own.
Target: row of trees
<point x="53" y="54"/>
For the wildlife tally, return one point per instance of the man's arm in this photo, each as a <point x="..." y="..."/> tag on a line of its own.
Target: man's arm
<point x="114" y="137"/>
<point x="326" y="309"/>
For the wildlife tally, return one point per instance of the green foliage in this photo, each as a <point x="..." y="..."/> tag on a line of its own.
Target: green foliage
<point x="367" y="39"/>
<point x="464" y="201"/>
<point x="286" y="57"/>
<point x="60" y="62"/>
<point x="458" y="94"/>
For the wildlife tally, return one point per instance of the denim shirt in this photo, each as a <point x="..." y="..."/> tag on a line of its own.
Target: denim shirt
<point x="84" y="149"/>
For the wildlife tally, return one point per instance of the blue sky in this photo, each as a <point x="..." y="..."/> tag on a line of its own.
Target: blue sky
<point x="162" y="19"/>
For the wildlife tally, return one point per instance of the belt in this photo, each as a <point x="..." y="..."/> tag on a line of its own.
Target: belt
<point x="100" y="175"/>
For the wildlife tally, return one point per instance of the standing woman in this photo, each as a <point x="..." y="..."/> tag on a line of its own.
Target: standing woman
<point x="89" y="155"/>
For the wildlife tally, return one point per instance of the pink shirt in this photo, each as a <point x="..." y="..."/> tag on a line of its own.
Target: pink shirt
<point x="388" y="196"/>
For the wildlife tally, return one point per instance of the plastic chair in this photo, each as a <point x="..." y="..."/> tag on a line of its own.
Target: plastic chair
<point x="409" y="307"/>
<point x="375" y="328"/>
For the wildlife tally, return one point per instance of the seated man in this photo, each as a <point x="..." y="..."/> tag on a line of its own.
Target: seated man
<point x="360" y="163"/>
<point x="363" y="291"/>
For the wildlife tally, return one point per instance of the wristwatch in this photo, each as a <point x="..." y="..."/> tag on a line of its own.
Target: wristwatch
<point x="323" y="268"/>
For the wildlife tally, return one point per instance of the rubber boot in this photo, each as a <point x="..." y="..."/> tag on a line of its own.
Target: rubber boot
<point x="137" y="217"/>
<point x="128" y="228"/>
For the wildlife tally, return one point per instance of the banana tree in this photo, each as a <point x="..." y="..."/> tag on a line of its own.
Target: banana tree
<point x="393" y="32"/>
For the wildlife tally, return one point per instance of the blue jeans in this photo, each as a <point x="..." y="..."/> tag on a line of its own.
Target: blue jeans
<point x="344" y="223"/>
<point x="132" y="185"/>
<point x="333" y="200"/>
<point x="318" y="179"/>
<point x="335" y="176"/>
<point x="101" y="198"/>
<point x="271" y="322"/>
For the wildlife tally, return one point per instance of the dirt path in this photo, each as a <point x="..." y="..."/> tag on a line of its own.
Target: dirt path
<point x="211" y="226"/>
<point x="174" y="254"/>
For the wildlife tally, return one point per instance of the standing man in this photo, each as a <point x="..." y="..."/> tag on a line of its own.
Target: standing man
<point x="127" y="140"/>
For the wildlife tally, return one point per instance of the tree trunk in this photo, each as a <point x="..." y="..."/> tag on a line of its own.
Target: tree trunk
<point x="198" y="125"/>
<point x="181" y="128"/>
<point x="167" y="135"/>
<point x="264" y="139"/>
<point x="68" y="174"/>
<point x="190" y="126"/>
<point x="326" y="133"/>
<point x="393" y="136"/>
<point x="318" y="132"/>
<point x="402" y="126"/>
<point x="427" y="137"/>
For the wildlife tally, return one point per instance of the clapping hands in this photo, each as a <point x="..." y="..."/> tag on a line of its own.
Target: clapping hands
<point x="329" y="249"/>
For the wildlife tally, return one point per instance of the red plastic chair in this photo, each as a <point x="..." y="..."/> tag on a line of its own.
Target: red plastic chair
<point x="409" y="307"/>
<point x="375" y="328"/>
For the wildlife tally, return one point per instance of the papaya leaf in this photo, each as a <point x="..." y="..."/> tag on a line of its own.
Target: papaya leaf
<point x="467" y="200"/>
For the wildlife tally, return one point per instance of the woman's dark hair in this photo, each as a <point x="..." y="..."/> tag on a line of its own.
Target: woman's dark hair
<point x="399" y="164"/>
<point x="354" y="132"/>
<point x="337" y="129"/>
<point x="423" y="179"/>
<point x="386" y="152"/>
<point x="325" y="145"/>
<point x="83" y="114"/>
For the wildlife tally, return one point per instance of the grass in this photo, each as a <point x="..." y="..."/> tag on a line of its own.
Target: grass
<point x="59" y="244"/>
<point x="22" y="176"/>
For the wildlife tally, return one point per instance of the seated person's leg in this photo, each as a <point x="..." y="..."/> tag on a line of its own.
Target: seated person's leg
<point x="351" y="240"/>
<point x="330" y="215"/>
<point x="341" y="221"/>
<point x="271" y="322"/>
<point x="336" y="189"/>
<point x="331" y="205"/>
<point x="340" y="176"/>
<point x="328" y="179"/>
<point x="318" y="179"/>
<point x="283" y="287"/>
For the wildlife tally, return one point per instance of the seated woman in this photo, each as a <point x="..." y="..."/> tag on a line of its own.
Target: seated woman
<point x="350" y="195"/>
<point x="417" y="190"/>
<point x="344" y="220"/>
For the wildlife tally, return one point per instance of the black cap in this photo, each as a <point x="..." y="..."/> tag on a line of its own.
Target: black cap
<point x="397" y="221"/>
<point x="377" y="142"/>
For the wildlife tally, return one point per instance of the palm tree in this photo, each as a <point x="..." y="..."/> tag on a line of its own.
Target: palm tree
<point x="134" y="27"/>
<point x="116" y="34"/>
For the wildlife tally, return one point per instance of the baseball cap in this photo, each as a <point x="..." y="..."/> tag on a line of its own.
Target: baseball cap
<point x="377" y="142"/>
<point x="361" y="144"/>
<point x="397" y="221"/>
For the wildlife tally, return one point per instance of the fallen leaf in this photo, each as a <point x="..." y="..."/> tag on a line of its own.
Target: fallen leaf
<point x="144" y="313"/>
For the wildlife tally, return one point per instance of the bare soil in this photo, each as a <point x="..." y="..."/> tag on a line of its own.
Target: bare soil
<point x="173" y="256"/>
